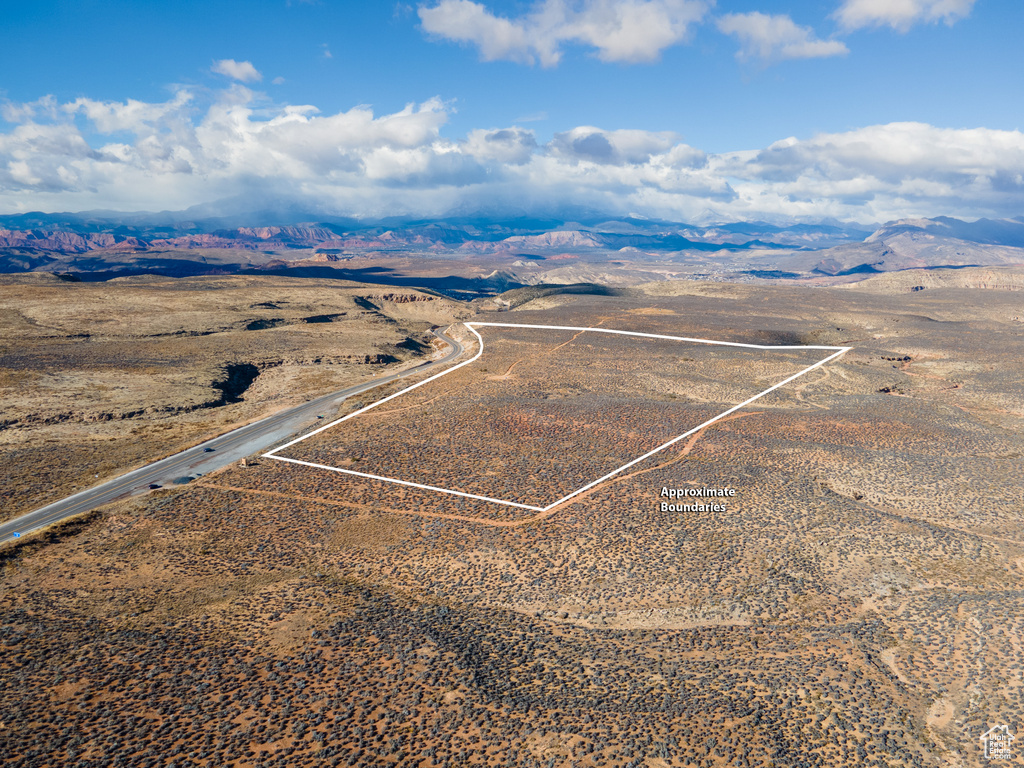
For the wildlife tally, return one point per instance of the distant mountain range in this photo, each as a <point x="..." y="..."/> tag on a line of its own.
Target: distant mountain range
<point x="82" y="232"/>
<point x="109" y="243"/>
<point x="921" y="244"/>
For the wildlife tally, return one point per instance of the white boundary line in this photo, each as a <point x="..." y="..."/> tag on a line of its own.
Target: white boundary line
<point x="472" y="328"/>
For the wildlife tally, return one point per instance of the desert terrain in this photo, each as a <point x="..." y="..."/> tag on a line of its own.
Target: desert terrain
<point x="857" y="602"/>
<point x="96" y="378"/>
<point x="467" y="257"/>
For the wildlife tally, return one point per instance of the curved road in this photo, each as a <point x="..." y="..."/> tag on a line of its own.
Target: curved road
<point x="226" y="449"/>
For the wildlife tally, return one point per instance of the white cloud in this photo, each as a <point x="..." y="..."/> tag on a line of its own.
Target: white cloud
<point x="26" y="112"/>
<point x="243" y="71"/>
<point x="186" y="151"/>
<point x="893" y="170"/>
<point x="134" y="116"/>
<point x="776" y="38"/>
<point x="624" y="147"/>
<point x="636" y="30"/>
<point x="507" y="145"/>
<point x="44" y="158"/>
<point x="534" y="117"/>
<point x="468" y="22"/>
<point x="900" y="14"/>
<point x="618" y="30"/>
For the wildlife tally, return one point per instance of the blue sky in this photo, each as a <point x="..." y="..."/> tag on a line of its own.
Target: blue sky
<point x="690" y="109"/>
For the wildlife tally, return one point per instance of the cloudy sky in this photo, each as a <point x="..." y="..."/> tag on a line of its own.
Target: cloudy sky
<point x="693" y="110"/>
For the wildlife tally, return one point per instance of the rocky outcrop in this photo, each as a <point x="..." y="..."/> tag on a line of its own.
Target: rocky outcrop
<point x="305" y="235"/>
<point x="564" y="239"/>
<point x="263" y="323"/>
<point x="323" y="318"/>
<point x="67" y="242"/>
<point x="188" y="242"/>
<point x="402" y="298"/>
<point x="236" y="379"/>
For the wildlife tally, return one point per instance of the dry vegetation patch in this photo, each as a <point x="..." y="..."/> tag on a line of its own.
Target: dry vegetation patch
<point x="857" y="603"/>
<point x="83" y="366"/>
<point x="544" y="412"/>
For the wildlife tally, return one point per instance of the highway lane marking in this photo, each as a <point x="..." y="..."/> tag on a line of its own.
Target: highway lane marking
<point x="104" y="493"/>
<point x="417" y="385"/>
<point x="836" y="352"/>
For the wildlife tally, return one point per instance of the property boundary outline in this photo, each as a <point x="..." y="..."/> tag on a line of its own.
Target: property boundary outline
<point x="836" y="352"/>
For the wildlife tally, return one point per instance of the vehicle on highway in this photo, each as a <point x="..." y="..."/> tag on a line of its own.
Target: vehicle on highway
<point x="254" y="437"/>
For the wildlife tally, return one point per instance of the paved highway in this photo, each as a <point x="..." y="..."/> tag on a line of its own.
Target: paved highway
<point x="226" y="449"/>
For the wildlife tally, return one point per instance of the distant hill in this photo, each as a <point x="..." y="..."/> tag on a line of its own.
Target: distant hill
<point x="499" y="252"/>
<point x="1009" y="278"/>
<point x="92" y="231"/>
<point x="986" y="231"/>
<point x="920" y="244"/>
